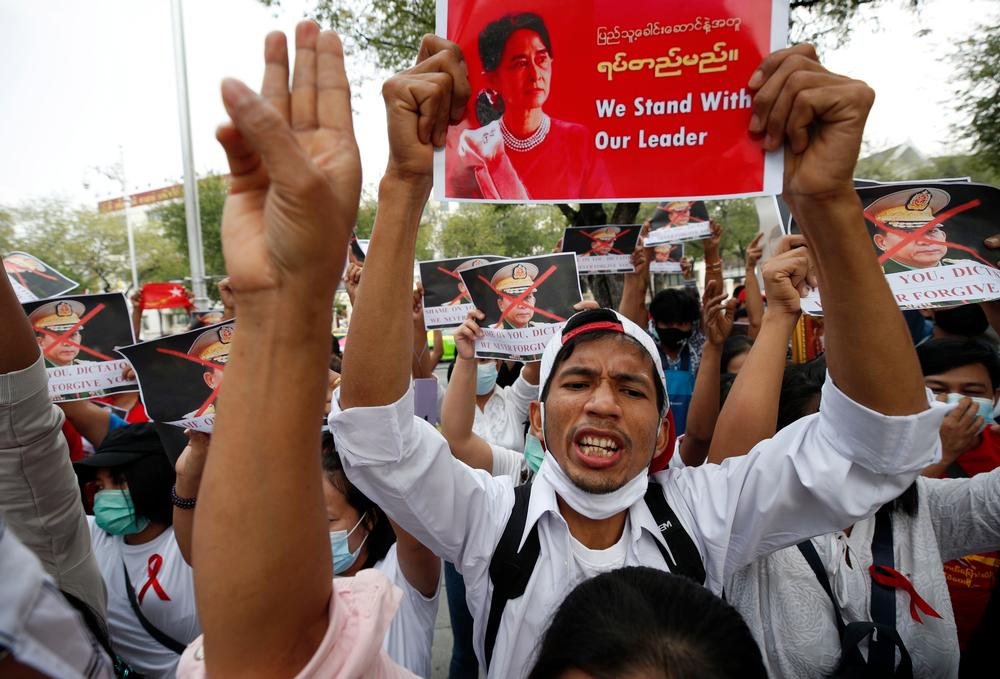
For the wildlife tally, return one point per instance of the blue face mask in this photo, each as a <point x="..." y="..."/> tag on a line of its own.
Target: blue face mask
<point x="486" y="378"/>
<point x="533" y="452"/>
<point x="985" y="406"/>
<point x="343" y="557"/>
<point x="115" y="513"/>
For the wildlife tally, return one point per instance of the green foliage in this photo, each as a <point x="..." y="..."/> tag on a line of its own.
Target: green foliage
<point x="365" y="223"/>
<point x="172" y="220"/>
<point x="386" y="31"/>
<point x="978" y="59"/>
<point x="508" y="230"/>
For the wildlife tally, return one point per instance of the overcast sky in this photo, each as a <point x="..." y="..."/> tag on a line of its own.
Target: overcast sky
<point x="83" y="78"/>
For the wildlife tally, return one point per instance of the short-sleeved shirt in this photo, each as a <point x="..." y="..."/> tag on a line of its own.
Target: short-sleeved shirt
<point x="164" y="588"/>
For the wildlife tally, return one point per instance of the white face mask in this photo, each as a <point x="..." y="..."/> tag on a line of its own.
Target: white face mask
<point x="595" y="506"/>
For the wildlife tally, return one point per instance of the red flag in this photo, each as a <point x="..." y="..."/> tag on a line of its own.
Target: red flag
<point x="164" y="296"/>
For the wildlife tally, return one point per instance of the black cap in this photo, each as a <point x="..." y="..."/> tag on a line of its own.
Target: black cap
<point x="122" y="446"/>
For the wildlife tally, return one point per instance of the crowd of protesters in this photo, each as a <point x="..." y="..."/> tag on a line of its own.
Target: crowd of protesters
<point x="663" y="494"/>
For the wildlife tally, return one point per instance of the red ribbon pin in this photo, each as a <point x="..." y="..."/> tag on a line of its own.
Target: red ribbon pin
<point x="152" y="568"/>
<point x="890" y="577"/>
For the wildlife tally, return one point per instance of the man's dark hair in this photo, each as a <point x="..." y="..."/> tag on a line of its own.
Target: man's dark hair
<point x="642" y="621"/>
<point x="968" y="320"/>
<point x="735" y="345"/>
<point x="149" y="480"/>
<point x="494" y="37"/>
<point x="941" y="355"/>
<point x="380" y="533"/>
<point x="675" y="305"/>
<point x="594" y="316"/>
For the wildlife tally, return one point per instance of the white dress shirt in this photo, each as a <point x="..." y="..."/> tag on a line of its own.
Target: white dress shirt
<point x="822" y="473"/>
<point x="791" y="616"/>
<point x="501" y="421"/>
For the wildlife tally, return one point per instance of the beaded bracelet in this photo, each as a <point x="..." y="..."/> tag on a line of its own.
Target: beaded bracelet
<point x="181" y="502"/>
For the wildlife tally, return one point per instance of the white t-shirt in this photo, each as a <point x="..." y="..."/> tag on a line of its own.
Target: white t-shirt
<point x="410" y="636"/>
<point x="164" y="588"/>
<point x="593" y="562"/>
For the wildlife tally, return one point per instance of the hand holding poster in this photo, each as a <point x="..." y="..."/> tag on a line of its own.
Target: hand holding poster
<point x="525" y="302"/>
<point x="446" y="301"/>
<point x="929" y="240"/>
<point x="33" y="279"/>
<point x="678" y="222"/>
<point x="602" y="249"/>
<point x="180" y="375"/>
<point x="78" y="337"/>
<point x="603" y="100"/>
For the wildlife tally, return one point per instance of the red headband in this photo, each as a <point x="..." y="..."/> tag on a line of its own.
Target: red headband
<point x="596" y="325"/>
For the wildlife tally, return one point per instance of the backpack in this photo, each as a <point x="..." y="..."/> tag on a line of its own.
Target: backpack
<point x="510" y="569"/>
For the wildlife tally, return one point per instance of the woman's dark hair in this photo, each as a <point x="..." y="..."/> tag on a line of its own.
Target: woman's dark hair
<point x="674" y="305"/>
<point x="566" y="350"/>
<point x="938" y="356"/>
<point x="642" y="620"/>
<point x="735" y="345"/>
<point x="726" y="381"/>
<point x="149" y="479"/>
<point x="494" y="37"/>
<point x="380" y="533"/>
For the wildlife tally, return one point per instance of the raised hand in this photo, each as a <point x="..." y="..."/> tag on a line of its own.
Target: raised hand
<point x="711" y="244"/>
<point x="420" y="103"/>
<point x="821" y="116"/>
<point x="352" y="279"/>
<point x="787" y="278"/>
<point x="754" y="252"/>
<point x="295" y="167"/>
<point x="467" y="334"/>
<point x="716" y="317"/>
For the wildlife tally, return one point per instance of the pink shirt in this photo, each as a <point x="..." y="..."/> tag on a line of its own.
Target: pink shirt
<point x="361" y="609"/>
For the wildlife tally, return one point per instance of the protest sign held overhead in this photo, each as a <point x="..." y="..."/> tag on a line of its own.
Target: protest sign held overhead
<point x="446" y="301"/>
<point x="78" y="337"/>
<point x="929" y="240"/>
<point x="525" y="302"/>
<point x="180" y="375"/>
<point x="678" y="221"/>
<point x="667" y="258"/>
<point x="602" y="249"/>
<point x="33" y="279"/>
<point x="600" y="100"/>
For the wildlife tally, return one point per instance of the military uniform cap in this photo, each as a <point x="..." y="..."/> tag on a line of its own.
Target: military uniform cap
<point x="909" y="208"/>
<point x="24" y="261"/>
<point x="213" y="345"/>
<point x="58" y="316"/>
<point x="678" y="206"/>
<point x="469" y="264"/>
<point x="606" y="233"/>
<point x="515" y="278"/>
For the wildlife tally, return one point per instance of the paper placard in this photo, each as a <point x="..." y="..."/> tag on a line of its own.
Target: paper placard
<point x="679" y="234"/>
<point x="34" y="279"/>
<point x="446" y="303"/>
<point x="602" y="249"/>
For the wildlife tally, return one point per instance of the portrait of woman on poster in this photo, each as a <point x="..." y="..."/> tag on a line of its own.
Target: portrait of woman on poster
<point x="519" y="152"/>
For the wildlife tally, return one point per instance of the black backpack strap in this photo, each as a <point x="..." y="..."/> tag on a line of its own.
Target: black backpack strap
<point x="882" y="650"/>
<point x="682" y="557"/>
<point x="165" y="639"/>
<point x="511" y="569"/>
<point x="955" y="471"/>
<point x="816" y="564"/>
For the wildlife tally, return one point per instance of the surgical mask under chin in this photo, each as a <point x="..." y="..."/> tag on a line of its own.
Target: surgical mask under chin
<point x="595" y="506"/>
<point x="486" y="378"/>
<point x="114" y="513"/>
<point x="985" y="406"/>
<point x="534" y="453"/>
<point x="343" y="557"/>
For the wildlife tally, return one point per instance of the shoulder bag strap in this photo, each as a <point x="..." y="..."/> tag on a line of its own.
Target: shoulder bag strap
<point x="165" y="639"/>
<point x="816" y="564"/>
<point x="686" y="559"/>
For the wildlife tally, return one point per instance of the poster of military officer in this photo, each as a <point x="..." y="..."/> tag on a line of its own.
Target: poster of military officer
<point x="667" y="258"/>
<point x="78" y="336"/>
<point x="446" y="301"/>
<point x="602" y="249"/>
<point x="34" y="279"/>
<point x="678" y="222"/>
<point x="180" y="375"/>
<point x="520" y="293"/>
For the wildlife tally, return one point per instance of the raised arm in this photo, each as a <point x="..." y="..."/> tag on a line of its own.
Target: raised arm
<point x="458" y="412"/>
<point x="420" y="103"/>
<point x="264" y="575"/>
<point x="750" y="414"/>
<point x="713" y="256"/>
<point x="820" y="117"/>
<point x="717" y="323"/>
<point x="755" y="305"/>
<point x="636" y="284"/>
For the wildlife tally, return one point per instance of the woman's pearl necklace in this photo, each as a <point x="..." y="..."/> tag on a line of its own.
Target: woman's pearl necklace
<point x="536" y="138"/>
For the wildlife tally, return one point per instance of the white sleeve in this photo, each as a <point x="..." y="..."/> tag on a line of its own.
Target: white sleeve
<point x="822" y="473"/>
<point x="405" y="466"/>
<point x="519" y="398"/>
<point x="965" y="513"/>
<point x="507" y="462"/>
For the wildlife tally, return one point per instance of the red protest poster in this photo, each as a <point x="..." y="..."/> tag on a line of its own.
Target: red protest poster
<point x="591" y="100"/>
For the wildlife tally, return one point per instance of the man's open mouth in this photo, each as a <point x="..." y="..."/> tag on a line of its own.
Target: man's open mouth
<point x="598" y="446"/>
